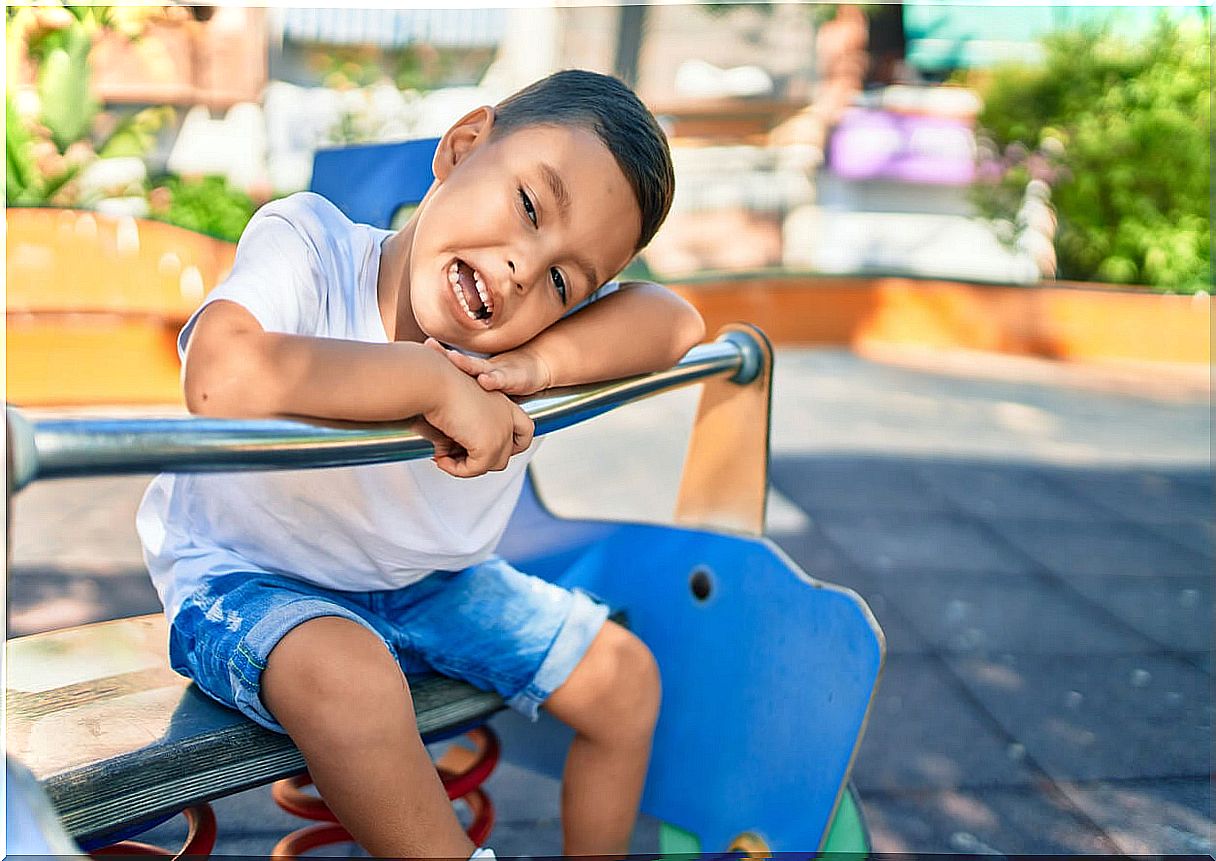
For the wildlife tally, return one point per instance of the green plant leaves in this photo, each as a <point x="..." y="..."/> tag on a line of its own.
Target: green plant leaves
<point x="68" y="106"/>
<point x="136" y="135"/>
<point x="208" y="205"/>
<point x="20" y="172"/>
<point x="1125" y="126"/>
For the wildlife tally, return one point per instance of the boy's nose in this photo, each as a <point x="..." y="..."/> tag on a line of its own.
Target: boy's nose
<point x="522" y="276"/>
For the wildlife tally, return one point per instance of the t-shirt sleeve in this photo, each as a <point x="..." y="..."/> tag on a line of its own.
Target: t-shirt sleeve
<point x="610" y="287"/>
<point x="276" y="277"/>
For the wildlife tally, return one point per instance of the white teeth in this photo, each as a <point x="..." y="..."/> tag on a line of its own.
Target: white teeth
<point x="454" y="280"/>
<point x="482" y="292"/>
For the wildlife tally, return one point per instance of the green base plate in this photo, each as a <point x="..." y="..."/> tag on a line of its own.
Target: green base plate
<point x="846" y="833"/>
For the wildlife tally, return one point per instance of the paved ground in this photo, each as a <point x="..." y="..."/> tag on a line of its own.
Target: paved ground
<point x="1038" y="554"/>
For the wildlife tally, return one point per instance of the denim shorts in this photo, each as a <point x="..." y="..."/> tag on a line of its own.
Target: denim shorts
<point x="490" y="625"/>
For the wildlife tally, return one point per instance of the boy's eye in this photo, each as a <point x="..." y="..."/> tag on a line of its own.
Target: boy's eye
<point x="559" y="283"/>
<point x="529" y="209"/>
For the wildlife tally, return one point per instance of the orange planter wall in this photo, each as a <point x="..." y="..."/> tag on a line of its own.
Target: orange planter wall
<point x="63" y="359"/>
<point x="94" y="305"/>
<point x="1080" y="322"/>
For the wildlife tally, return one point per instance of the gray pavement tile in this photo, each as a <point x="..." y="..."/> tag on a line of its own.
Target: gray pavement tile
<point x="980" y="822"/>
<point x="1174" y="611"/>
<point x="542" y="838"/>
<point x="964" y="614"/>
<point x="244" y="819"/>
<point x="816" y="554"/>
<point x="523" y="795"/>
<point x="842" y="483"/>
<point x="645" y="835"/>
<point x="1097" y="549"/>
<point x="259" y="846"/>
<point x="1196" y="533"/>
<point x="526" y="839"/>
<point x="813" y="552"/>
<point x="1157" y="817"/>
<point x="924" y="734"/>
<point x="1147" y="494"/>
<point x="1090" y="718"/>
<point x="78" y="523"/>
<point x="253" y="812"/>
<point x="909" y="542"/>
<point x="900" y="635"/>
<point x="43" y="599"/>
<point x="1202" y="660"/>
<point x="1007" y="490"/>
<point x="833" y="400"/>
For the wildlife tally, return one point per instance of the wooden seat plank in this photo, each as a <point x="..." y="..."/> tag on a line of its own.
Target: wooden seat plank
<point x="115" y="737"/>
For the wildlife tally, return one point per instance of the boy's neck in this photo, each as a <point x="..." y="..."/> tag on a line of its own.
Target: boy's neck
<point x="393" y="287"/>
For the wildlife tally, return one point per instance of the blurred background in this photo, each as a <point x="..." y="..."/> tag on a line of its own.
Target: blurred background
<point x="978" y="234"/>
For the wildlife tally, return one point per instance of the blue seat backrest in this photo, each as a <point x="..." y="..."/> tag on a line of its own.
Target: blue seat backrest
<point x="370" y="182"/>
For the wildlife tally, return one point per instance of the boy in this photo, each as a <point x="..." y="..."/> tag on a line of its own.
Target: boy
<point x="301" y="597"/>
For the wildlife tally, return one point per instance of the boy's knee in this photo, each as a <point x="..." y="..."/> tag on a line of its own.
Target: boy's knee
<point x="640" y="672"/>
<point x="626" y="702"/>
<point x="333" y="675"/>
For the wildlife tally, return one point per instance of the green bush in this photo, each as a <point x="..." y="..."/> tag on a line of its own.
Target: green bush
<point x="207" y="205"/>
<point x="1120" y="131"/>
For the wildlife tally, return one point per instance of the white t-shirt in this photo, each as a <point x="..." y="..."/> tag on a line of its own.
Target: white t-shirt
<point x="302" y="267"/>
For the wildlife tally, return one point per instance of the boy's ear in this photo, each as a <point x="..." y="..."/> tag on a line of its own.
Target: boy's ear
<point x="469" y="132"/>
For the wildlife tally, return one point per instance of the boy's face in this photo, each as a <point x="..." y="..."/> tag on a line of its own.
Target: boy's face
<point x="516" y="231"/>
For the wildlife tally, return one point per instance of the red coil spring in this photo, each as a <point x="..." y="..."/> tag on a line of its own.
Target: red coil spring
<point x="200" y="839"/>
<point x="462" y="771"/>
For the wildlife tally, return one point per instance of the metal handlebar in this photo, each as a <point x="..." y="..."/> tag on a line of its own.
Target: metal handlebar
<point x="62" y="447"/>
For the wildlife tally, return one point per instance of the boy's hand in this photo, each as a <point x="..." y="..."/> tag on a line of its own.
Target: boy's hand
<point x="515" y="372"/>
<point x="478" y="431"/>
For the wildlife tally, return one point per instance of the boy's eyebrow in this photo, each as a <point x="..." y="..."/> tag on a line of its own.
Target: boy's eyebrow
<point x="554" y="180"/>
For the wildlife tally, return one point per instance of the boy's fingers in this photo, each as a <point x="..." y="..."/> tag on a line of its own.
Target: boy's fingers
<point x="508" y="381"/>
<point x="450" y="456"/>
<point x="491" y="381"/>
<point x="523" y="428"/>
<point x="471" y="364"/>
<point x="442" y="442"/>
<point x="481" y="463"/>
<point x="464" y="464"/>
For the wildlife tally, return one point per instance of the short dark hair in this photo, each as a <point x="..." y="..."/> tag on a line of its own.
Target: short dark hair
<point x="607" y="107"/>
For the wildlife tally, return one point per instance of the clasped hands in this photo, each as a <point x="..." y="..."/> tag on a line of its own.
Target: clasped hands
<point x="476" y="427"/>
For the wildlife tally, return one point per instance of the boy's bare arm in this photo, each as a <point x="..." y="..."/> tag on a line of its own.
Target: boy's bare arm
<point x="638" y="328"/>
<point x="236" y="369"/>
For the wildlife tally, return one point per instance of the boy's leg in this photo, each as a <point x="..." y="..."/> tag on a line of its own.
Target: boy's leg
<point x="341" y="696"/>
<point x="539" y="644"/>
<point x="611" y="700"/>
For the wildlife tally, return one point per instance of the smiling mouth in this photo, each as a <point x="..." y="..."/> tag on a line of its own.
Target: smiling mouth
<point x="470" y="291"/>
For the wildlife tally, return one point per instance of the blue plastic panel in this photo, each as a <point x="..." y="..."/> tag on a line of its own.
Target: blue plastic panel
<point x="766" y="683"/>
<point x="371" y="182"/>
